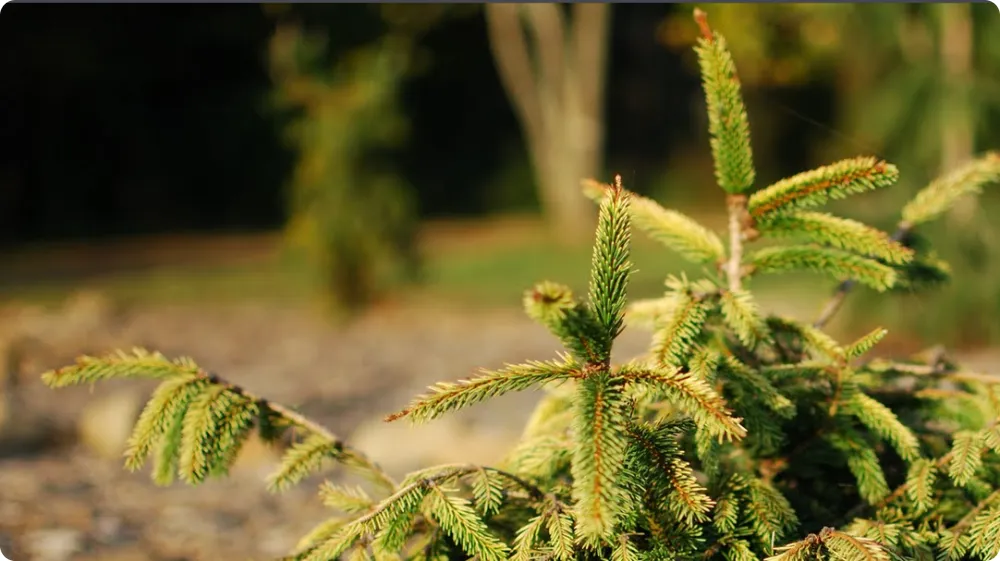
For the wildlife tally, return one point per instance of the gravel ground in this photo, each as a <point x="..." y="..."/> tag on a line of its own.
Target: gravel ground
<point x="65" y="496"/>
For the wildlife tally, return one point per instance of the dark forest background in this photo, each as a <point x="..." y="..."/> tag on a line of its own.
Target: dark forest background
<point x="137" y="119"/>
<point x="122" y="121"/>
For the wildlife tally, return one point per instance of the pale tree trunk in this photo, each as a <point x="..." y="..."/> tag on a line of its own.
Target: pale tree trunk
<point x="957" y="120"/>
<point x="557" y="90"/>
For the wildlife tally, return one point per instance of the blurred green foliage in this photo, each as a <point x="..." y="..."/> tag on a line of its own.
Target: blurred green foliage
<point x="352" y="220"/>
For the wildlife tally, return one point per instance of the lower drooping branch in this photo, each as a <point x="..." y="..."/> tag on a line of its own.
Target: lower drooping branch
<point x="299" y="420"/>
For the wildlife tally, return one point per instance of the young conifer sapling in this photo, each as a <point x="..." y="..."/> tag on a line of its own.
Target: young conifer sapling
<point x="739" y="436"/>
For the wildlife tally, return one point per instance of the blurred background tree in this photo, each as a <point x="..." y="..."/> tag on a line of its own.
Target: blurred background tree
<point x="185" y="119"/>
<point x="557" y="90"/>
<point x="351" y="218"/>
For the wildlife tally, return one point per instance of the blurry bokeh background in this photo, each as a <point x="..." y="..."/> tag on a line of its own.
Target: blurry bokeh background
<point x="339" y="204"/>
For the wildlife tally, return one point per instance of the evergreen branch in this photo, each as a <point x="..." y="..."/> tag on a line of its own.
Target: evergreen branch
<point x="676" y="334"/>
<point x="727" y="506"/>
<point x="846" y="547"/>
<point x="841" y="545"/>
<point x="863" y="464"/>
<point x="953" y="546"/>
<point x="694" y="396"/>
<point x="882" y="532"/>
<point x="447" y="471"/>
<point x="928" y="205"/>
<point x="195" y="422"/>
<point x="598" y="459"/>
<point x="967" y="456"/>
<point x="742" y="315"/>
<point x="673" y="229"/>
<point x="865" y="344"/>
<point x="625" y="550"/>
<point x="351" y="500"/>
<point x="739" y="550"/>
<point x="761" y="387"/>
<point x="985" y="533"/>
<point x="803" y="550"/>
<point x="820" y="343"/>
<point x="458" y="519"/>
<point x="488" y="492"/>
<point x="561" y="534"/>
<point x="572" y="322"/>
<point x="831" y="308"/>
<point x="935" y="199"/>
<point x="610" y="267"/>
<point x="541" y="457"/>
<point x="197" y="433"/>
<point x="526" y="538"/>
<point x="773" y="515"/>
<point x="167" y="450"/>
<point x="728" y="125"/>
<point x="140" y="363"/>
<point x="841" y="233"/>
<point x="547" y="303"/>
<point x="333" y="546"/>
<point x="168" y="403"/>
<point x="974" y="515"/>
<point x="301" y="460"/>
<point x="944" y="461"/>
<point x="920" y="481"/>
<point x="321" y="533"/>
<point x="236" y="422"/>
<point x="447" y="396"/>
<point x="825" y="260"/>
<point x="657" y="450"/>
<point x="899" y="492"/>
<point x="883" y="422"/>
<point x="815" y="187"/>
<point x="399" y="507"/>
<point x="677" y="231"/>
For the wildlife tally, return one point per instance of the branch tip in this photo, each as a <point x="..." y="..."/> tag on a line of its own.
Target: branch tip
<point x="702" y="18"/>
<point x="396" y="416"/>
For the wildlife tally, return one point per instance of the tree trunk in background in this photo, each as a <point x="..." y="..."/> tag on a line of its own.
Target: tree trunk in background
<point x="557" y="90"/>
<point x="957" y="126"/>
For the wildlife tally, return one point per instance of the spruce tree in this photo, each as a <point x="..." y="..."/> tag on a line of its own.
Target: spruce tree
<point x="739" y="436"/>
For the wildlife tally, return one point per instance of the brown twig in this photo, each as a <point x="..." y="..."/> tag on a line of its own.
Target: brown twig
<point x="737" y="205"/>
